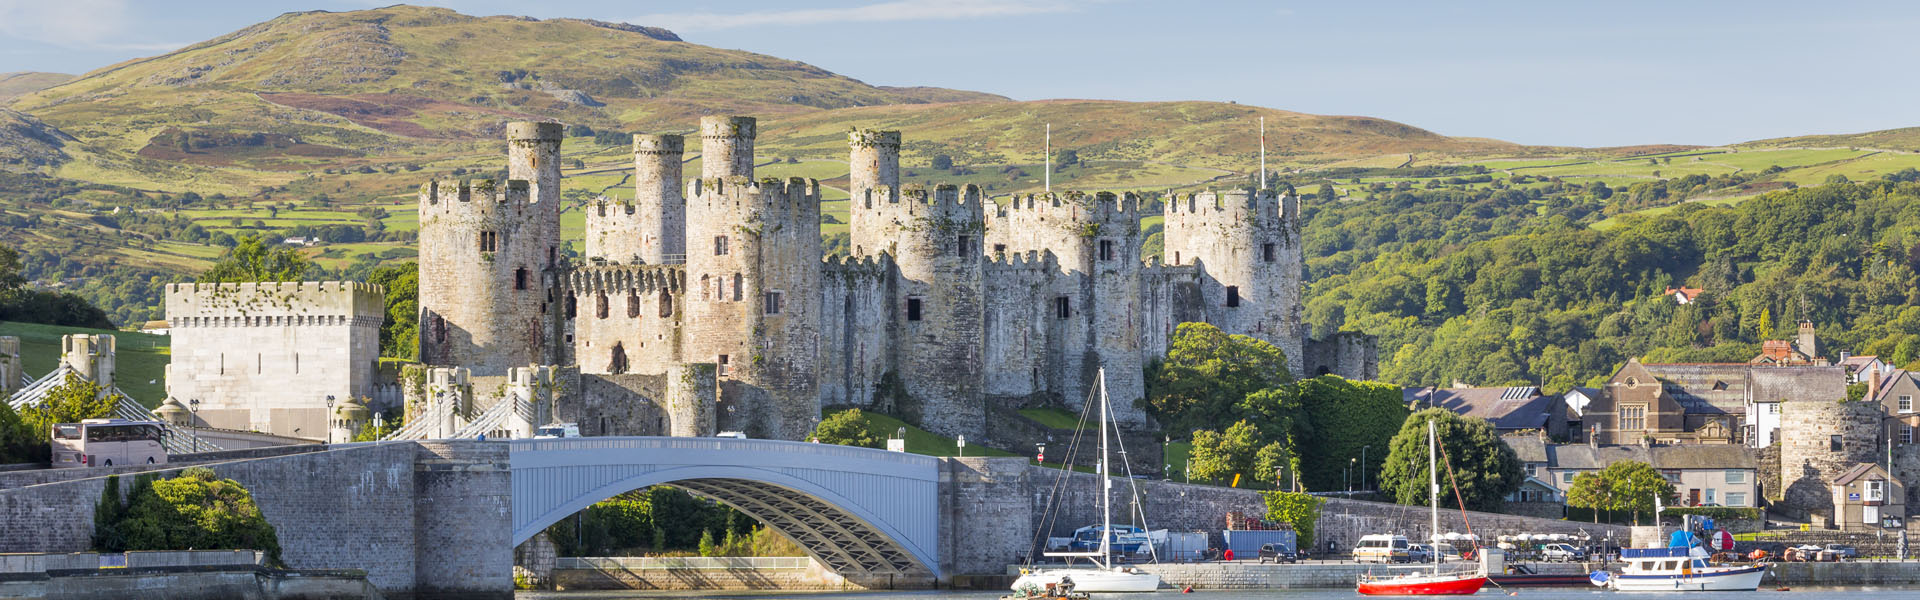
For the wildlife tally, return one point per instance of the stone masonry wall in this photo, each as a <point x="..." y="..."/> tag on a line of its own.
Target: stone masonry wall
<point x="1807" y="459"/>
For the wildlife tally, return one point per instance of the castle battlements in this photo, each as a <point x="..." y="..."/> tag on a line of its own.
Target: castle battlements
<point x="1262" y="209"/>
<point x="604" y="206"/>
<point x="1098" y="207"/>
<point x="190" y="304"/>
<point x="795" y="194"/>
<point x="623" y="278"/>
<point x="1037" y="261"/>
<point x="449" y="194"/>
<point x="873" y="264"/>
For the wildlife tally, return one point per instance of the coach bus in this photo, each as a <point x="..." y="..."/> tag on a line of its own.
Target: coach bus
<point x="108" y="442"/>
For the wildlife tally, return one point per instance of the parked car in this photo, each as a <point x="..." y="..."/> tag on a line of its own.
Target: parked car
<point x="1445" y="552"/>
<point x="1381" y="548"/>
<point x="1278" y="553"/>
<point x="1843" y="551"/>
<point x="1562" y="553"/>
<point x="1420" y="553"/>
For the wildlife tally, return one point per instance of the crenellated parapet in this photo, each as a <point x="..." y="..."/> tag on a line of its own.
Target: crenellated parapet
<point x="1233" y="208"/>
<point x="626" y="278"/>
<point x="484" y="197"/>
<point x="852" y="267"/>
<point x="794" y="196"/>
<point x="275" y="303"/>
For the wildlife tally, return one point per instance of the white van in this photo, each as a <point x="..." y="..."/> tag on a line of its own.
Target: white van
<point x="1381" y="548"/>
<point x="557" y="430"/>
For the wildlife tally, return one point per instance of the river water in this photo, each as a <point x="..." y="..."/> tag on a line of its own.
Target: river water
<point x="1798" y="593"/>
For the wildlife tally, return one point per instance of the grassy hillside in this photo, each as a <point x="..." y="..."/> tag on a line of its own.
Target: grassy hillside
<point x="142" y="358"/>
<point x="13" y="85"/>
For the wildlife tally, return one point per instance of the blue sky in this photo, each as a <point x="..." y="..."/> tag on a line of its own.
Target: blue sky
<point x="1588" y="74"/>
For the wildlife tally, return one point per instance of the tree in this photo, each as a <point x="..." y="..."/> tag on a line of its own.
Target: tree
<point x="1220" y="456"/>
<point x="194" y="510"/>
<point x="1628" y="485"/>
<point x="400" y="334"/>
<point x="846" y="428"/>
<point x="1206" y="373"/>
<point x="1345" y="420"/>
<point x="942" y="162"/>
<point x="18" y="441"/>
<point x="74" y="399"/>
<point x="1065" y="158"/>
<point x="1482" y="468"/>
<point x="251" y="260"/>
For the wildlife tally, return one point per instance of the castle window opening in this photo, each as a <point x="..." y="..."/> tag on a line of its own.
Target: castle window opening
<point x="1106" y="249"/>
<point x="706" y="288"/>
<point x="600" y="305"/>
<point x="773" y="302"/>
<point x="720" y="245"/>
<point x="1000" y="250"/>
<point x="720" y="366"/>
<point x="260" y="363"/>
<point x="520" y="278"/>
<point x="1176" y="257"/>
<point x="1834" y="444"/>
<point x="296" y="363"/>
<point x="666" y="304"/>
<point x="913" y="308"/>
<point x="633" y="304"/>
<point x="1268" y="252"/>
<point x="573" y="308"/>
<point x="736" y="288"/>
<point x="1633" y="417"/>
<point x="1233" y="296"/>
<point x="963" y="245"/>
<point x="488" y="243"/>
<point x="1062" y="308"/>
<point x="553" y="255"/>
<point x="617" y="362"/>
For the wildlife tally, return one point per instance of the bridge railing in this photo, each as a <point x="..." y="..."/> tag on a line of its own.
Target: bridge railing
<point x="718" y="443"/>
<point x="640" y="563"/>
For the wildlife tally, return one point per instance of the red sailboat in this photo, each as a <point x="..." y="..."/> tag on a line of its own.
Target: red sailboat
<point x="1436" y="583"/>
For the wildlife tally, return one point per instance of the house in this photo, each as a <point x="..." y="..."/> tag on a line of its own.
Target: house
<point x="1897" y="392"/>
<point x="1768" y="387"/>
<point x="1858" y="367"/>
<point x="1704" y="475"/>
<point x="1669" y="403"/>
<point x="158" y="327"/>
<point x="1509" y="409"/>
<point x="1684" y="295"/>
<point x="1531" y="448"/>
<point x="1537" y="496"/>
<point x="1866" y="498"/>
<point x="1805" y="350"/>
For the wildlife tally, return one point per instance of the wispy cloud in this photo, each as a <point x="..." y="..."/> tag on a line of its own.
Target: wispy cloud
<point x="900" y="10"/>
<point x="91" y="24"/>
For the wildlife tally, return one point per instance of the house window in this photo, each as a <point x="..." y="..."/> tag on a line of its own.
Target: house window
<point x="488" y="241"/>
<point x="1906" y="404"/>
<point x="736" y="288"/>
<point x="1834" y="444"/>
<point x="913" y="308"/>
<point x="1062" y="308"/>
<point x="1268" y="252"/>
<point x="520" y="278"/>
<point x="1736" y="499"/>
<point x="1876" y="491"/>
<point x="1773" y="408"/>
<point x="772" y="304"/>
<point x="1736" y="476"/>
<point x="720" y="366"/>
<point x="1566" y="477"/>
<point x="1906" y="434"/>
<point x="1106" y="249"/>
<point x="720" y="245"/>
<point x="1719" y="386"/>
<point x="1633" y="417"/>
<point x="600" y="305"/>
<point x="1708" y="498"/>
<point x="962" y="245"/>
<point x="1233" y="296"/>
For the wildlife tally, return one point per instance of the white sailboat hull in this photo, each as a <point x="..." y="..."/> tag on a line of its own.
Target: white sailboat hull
<point x="1091" y="580"/>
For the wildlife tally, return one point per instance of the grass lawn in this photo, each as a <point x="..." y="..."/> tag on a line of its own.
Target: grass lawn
<point x="1052" y="417"/>
<point x="141" y="358"/>
<point x="921" y="441"/>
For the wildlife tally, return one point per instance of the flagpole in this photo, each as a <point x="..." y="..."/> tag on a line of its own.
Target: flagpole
<point x="1263" y="152"/>
<point x="1048" y="154"/>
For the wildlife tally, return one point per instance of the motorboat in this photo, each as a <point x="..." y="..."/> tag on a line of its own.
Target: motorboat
<point x="1438" y="582"/>
<point x="1683" y="566"/>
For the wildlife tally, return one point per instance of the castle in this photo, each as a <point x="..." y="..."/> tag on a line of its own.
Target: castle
<point x="707" y="305"/>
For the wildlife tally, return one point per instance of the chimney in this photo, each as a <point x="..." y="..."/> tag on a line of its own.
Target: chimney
<point x="1873" y="384"/>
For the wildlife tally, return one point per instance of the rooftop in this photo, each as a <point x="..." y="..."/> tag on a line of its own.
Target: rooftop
<point x="1508" y="408"/>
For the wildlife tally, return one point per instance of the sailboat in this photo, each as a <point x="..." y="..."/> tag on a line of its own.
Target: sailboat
<point x="1105" y="577"/>
<point x="1437" y="583"/>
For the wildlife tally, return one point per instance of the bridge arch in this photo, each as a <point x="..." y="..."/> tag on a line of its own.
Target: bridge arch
<point x="863" y="513"/>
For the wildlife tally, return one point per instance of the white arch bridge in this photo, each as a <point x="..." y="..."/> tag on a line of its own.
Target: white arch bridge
<point x="866" y="514"/>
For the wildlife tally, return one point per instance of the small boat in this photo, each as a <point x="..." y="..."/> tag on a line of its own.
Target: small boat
<point x="1682" y="566"/>
<point x="1095" y="547"/>
<point x="1435" y="583"/>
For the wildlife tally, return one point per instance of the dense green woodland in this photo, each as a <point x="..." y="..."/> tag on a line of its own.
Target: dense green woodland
<point x="1498" y="289"/>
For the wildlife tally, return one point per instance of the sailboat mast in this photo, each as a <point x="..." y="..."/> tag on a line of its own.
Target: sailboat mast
<point x="1433" y="487"/>
<point x="1106" y="479"/>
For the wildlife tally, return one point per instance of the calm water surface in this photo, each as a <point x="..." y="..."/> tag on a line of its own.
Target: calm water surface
<point x="1798" y="593"/>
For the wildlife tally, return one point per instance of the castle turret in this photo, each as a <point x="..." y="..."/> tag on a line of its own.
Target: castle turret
<point x="90" y="356"/>
<point x="940" y="316"/>
<point x="483" y="284"/>
<point x="533" y="155"/>
<point x="690" y="400"/>
<point x="11" y="368"/>
<point x="726" y="146"/>
<point x="652" y="228"/>
<point x="1248" y="247"/>
<point x="753" y="279"/>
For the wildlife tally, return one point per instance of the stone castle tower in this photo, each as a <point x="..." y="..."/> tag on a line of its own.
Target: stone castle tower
<point x="487" y="292"/>
<point x="707" y="305"/>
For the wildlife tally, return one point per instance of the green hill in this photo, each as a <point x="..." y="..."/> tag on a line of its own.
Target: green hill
<point x="26" y="82"/>
<point x="142" y="358"/>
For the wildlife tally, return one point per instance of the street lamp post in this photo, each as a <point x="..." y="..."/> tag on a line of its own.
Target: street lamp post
<point x="329" y="418"/>
<point x="1363" y="468"/>
<point x="1346" y="477"/>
